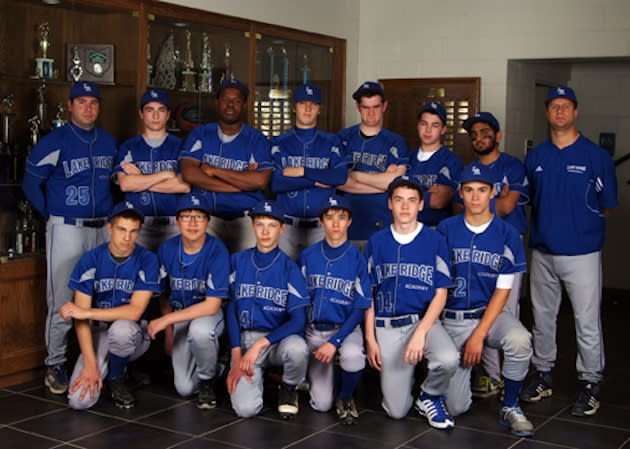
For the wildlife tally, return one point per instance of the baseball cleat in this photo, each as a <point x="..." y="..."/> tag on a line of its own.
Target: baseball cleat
<point x="539" y="387"/>
<point x="56" y="379"/>
<point x="587" y="402"/>
<point x="514" y="419"/>
<point x="288" y="401"/>
<point x="121" y="394"/>
<point x="206" y="397"/>
<point x="434" y="410"/>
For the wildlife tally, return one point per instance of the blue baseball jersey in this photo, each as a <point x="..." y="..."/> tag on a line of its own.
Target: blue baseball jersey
<point x="191" y="278"/>
<point x="337" y="281"/>
<point x="570" y="188"/>
<point x="319" y="153"/>
<point x="250" y="146"/>
<point x="373" y="155"/>
<point x="443" y="167"/>
<point x="265" y="287"/>
<point x="75" y="166"/>
<point x="406" y="276"/>
<point x="478" y="259"/>
<point x="110" y="283"/>
<point x="151" y="160"/>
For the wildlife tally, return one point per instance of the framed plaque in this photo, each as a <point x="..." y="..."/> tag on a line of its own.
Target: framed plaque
<point x="90" y="62"/>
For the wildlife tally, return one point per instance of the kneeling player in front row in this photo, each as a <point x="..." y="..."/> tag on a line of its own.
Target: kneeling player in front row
<point x="486" y="252"/>
<point x="194" y="267"/>
<point x="337" y="281"/>
<point x="266" y="316"/>
<point x="409" y="267"/>
<point x="113" y="284"/>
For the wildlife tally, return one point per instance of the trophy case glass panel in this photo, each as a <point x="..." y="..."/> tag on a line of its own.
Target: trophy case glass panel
<point x="189" y="60"/>
<point x="281" y="65"/>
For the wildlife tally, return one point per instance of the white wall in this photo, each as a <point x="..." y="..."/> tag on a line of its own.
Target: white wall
<point x="331" y="17"/>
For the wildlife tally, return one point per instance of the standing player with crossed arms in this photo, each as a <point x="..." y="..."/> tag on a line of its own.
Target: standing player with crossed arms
<point x="409" y="268"/>
<point x="378" y="156"/>
<point x="512" y="194"/>
<point x="194" y="268"/>
<point x="485" y="251"/>
<point x="113" y="284"/>
<point x="67" y="181"/>
<point x="337" y="280"/>
<point x="308" y="166"/>
<point x="266" y="316"/>
<point x="229" y="163"/>
<point x="434" y="166"/>
<point x="574" y="189"/>
<point x="147" y="170"/>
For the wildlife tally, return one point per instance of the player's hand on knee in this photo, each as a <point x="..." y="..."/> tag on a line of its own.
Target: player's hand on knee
<point x="325" y="352"/>
<point x="89" y="381"/>
<point x="373" y="355"/>
<point x="234" y="375"/>
<point x="472" y="350"/>
<point x="415" y="349"/>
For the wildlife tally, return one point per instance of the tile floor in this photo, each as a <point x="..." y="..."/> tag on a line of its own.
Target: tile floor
<point x="30" y="417"/>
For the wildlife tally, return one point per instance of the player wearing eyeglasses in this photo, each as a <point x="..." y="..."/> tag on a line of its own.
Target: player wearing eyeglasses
<point x="194" y="270"/>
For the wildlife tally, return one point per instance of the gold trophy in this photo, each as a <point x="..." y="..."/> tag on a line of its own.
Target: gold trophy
<point x="44" y="68"/>
<point x="188" y="74"/>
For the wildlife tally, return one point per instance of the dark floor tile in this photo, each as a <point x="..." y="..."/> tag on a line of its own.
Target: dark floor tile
<point x="535" y="444"/>
<point x="187" y="418"/>
<point x="4" y="393"/>
<point x="336" y="440"/>
<point x="260" y="433"/>
<point x="580" y="436"/>
<point x="26" y="385"/>
<point x="607" y="415"/>
<point x="132" y="435"/>
<point x="377" y="426"/>
<point x="307" y="417"/>
<point x="461" y="439"/>
<point x="11" y="438"/>
<point x="16" y="407"/>
<point x="546" y="407"/>
<point x="67" y="425"/>
<point x="484" y="415"/>
<point x="146" y="403"/>
<point x="42" y="392"/>
<point x="206" y="443"/>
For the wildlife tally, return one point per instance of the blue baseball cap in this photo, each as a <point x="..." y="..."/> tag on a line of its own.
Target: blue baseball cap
<point x="191" y="201"/>
<point x="307" y="92"/>
<point x="561" y="92"/>
<point x="268" y="208"/>
<point x="235" y="84"/>
<point x="84" y="89"/>
<point x="484" y="117"/>
<point x="404" y="181"/>
<point x="368" y="89"/>
<point x="434" y="108"/>
<point x="125" y="206"/>
<point x="335" y="202"/>
<point x="155" y="95"/>
<point x="476" y="172"/>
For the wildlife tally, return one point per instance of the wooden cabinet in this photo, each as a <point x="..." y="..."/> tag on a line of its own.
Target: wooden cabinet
<point x="22" y="316"/>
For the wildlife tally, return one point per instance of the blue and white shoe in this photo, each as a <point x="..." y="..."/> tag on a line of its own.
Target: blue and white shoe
<point x="433" y="408"/>
<point x="56" y="379"/>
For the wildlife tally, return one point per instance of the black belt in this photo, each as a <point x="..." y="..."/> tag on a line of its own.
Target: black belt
<point x="464" y="314"/>
<point x="397" y="322"/>
<point x="306" y="223"/>
<point x="324" y="326"/>
<point x="85" y="222"/>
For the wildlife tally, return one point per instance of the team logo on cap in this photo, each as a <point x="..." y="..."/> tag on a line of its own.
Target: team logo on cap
<point x="128" y="205"/>
<point x="87" y="87"/>
<point x="267" y="207"/>
<point x="195" y="201"/>
<point x="405" y="178"/>
<point x="434" y="105"/>
<point x="560" y="91"/>
<point x="476" y="171"/>
<point x="309" y="91"/>
<point x="333" y="202"/>
<point x="154" y="94"/>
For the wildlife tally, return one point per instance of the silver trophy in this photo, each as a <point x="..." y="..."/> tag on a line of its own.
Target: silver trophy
<point x="6" y="111"/>
<point x="205" y="77"/>
<point x="76" y="71"/>
<point x="166" y="62"/>
<point x="188" y="74"/>
<point x="229" y="74"/>
<point x="59" y="121"/>
<point x="35" y="126"/>
<point x="44" y="68"/>
<point x="41" y="108"/>
<point x="306" y="70"/>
